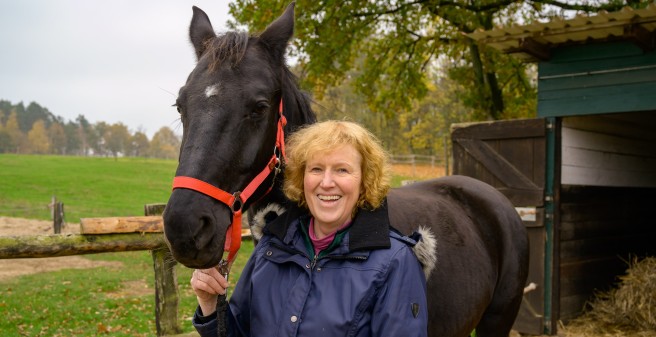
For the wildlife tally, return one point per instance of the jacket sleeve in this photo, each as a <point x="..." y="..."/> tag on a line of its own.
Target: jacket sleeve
<point x="237" y="315"/>
<point x="400" y="308"/>
<point x="204" y="326"/>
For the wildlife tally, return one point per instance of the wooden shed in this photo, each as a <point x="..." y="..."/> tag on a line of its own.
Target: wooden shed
<point x="582" y="174"/>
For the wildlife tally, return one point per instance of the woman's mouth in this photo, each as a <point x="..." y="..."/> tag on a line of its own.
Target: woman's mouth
<point x="328" y="197"/>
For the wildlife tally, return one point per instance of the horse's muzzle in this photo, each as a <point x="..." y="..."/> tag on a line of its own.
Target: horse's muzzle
<point x="194" y="228"/>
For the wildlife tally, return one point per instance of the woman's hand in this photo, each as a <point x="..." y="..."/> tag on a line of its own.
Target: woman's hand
<point x="208" y="284"/>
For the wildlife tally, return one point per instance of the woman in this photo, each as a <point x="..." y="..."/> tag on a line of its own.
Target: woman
<point x="330" y="265"/>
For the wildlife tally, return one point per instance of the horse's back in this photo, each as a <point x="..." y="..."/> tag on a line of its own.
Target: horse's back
<point x="481" y="250"/>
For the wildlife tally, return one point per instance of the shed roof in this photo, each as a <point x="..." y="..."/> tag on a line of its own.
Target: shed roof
<point x="533" y="42"/>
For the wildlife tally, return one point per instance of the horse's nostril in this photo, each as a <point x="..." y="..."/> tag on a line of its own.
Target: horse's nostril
<point x="204" y="233"/>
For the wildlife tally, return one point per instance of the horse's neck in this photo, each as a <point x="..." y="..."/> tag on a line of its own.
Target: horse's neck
<point x="298" y="112"/>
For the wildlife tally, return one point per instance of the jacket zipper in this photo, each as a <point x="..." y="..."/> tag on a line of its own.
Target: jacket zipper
<point x="315" y="259"/>
<point x="339" y="257"/>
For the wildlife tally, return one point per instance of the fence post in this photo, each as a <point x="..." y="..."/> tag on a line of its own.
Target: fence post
<point x="57" y="215"/>
<point x="166" y="285"/>
<point x="446" y="155"/>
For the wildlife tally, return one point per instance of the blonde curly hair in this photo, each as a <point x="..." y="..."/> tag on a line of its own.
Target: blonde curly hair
<point x="324" y="137"/>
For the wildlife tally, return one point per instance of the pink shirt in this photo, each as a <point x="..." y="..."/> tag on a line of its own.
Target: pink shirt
<point x="321" y="244"/>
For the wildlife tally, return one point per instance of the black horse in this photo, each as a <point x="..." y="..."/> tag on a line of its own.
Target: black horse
<point x="232" y="107"/>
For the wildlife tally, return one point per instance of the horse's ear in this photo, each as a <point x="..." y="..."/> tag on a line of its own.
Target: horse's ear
<point x="279" y="32"/>
<point x="200" y="31"/>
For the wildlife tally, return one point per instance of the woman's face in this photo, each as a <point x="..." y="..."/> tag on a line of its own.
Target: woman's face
<point x="331" y="185"/>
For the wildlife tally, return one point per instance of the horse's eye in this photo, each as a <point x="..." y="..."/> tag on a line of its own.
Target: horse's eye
<point x="177" y="106"/>
<point x="261" y="108"/>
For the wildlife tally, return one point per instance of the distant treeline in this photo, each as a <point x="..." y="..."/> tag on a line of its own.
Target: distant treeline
<point x="35" y="130"/>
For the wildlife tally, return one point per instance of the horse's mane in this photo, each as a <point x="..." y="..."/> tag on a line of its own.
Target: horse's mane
<point x="227" y="47"/>
<point x="298" y="108"/>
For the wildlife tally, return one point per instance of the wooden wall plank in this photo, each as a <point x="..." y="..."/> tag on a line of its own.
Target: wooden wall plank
<point x="637" y="126"/>
<point x="602" y="177"/>
<point x="596" y="152"/>
<point x="631" y="161"/>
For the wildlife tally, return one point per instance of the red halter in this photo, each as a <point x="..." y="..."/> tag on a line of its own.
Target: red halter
<point x="237" y="200"/>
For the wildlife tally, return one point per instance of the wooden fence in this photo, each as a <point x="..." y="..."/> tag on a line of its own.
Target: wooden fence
<point x="416" y="159"/>
<point x="113" y="235"/>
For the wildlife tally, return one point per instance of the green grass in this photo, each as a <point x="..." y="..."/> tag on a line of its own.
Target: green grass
<point x="88" y="186"/>
<point x="88" y="302"/>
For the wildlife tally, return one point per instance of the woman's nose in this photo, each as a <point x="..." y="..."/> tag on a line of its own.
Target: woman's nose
<point x="327" y="180"/>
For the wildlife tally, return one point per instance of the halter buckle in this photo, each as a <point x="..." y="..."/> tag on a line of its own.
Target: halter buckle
<point x="237" y="203"/>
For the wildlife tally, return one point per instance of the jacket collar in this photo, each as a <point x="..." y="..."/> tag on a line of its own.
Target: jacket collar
<point x="369" y="230"/>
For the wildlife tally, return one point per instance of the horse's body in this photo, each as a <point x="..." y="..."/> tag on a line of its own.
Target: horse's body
<point x="229" y="113"/>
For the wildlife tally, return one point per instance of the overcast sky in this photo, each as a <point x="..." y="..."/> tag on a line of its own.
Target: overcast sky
<point x="112" y="61"/>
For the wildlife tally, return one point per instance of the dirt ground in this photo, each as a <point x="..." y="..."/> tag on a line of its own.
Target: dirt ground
<point x="17" y="267"/>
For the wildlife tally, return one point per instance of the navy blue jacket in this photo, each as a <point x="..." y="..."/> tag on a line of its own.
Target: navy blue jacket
<point x="371" y="284"/>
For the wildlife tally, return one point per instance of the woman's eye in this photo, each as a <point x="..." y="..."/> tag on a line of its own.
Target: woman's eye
<point x="342" y="170"/>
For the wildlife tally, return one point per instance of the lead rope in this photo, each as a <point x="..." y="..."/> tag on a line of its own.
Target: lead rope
<point x="222" y="301"/>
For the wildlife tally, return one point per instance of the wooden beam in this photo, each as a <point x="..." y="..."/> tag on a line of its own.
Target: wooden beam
<point x="135" y="224"/>
<point x="535" y="49"/>
<point x="26" y="246"/>
<point x="643" y="38"/>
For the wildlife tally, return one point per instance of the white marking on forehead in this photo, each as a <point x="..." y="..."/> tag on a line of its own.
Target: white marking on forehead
<point x="212" y="90"/>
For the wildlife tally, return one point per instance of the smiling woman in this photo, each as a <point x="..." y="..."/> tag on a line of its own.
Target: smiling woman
<point x="337" y="179"/>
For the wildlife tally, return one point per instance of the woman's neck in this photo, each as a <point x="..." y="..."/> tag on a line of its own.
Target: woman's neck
<point x="321" y="231"/>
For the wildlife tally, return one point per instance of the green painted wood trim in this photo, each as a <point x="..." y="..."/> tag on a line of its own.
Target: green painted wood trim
<point x="549" y="224"/>
<point x="640" y="98"/>
<point x="615" y="77"/>
<point x="593" y="57"/>
<point x="597" y="78"/>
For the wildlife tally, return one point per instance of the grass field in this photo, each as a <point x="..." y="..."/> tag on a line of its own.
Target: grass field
<point x="104" y="187"/>
<point x="118" y="301"/>
<point x="88" y="186"/>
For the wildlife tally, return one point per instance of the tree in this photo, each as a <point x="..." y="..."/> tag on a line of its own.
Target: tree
<point x="96" y="138"/>
<point x="3" y="116"/>
<point x="73" y="145"/>
<point x="38" y="138"/>
<point x="34" y="112"/>
<point x="17" y="138"/>
<point x="400" y="40"/>
<point x="57" y="138"/>
<point x="165" y="144"/>
<point x="83" y="131"/>
<point x="5" y="140"/>
<point x="138" y="144"/>
<point x="117" y="138"/>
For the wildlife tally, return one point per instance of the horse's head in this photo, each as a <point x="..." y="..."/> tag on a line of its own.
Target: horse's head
<point x="229" y="109"/>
